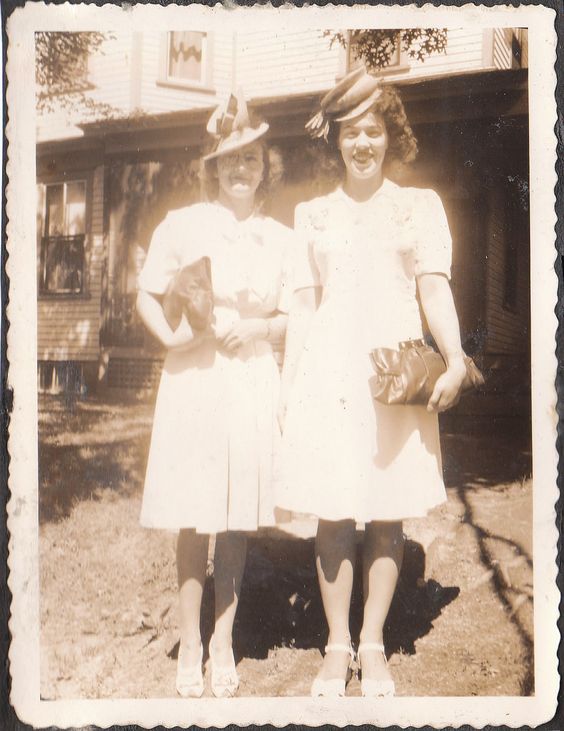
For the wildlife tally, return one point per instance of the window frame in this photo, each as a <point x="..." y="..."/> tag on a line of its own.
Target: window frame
<point x="401" y="67"/>
<point x="176" y="82"/>
<point x="43" y="238"/>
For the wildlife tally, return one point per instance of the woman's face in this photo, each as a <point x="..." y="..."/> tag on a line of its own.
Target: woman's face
<point x="363" y="143"/>
<point x="240" y="172"/>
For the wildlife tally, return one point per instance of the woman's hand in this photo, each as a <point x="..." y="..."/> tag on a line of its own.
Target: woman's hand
<point x="447" y="388"/>
<point x="243" y="332"/>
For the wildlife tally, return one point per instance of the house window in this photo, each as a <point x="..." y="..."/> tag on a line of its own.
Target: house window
<point x="397" y="62"/>
<point x="62" y="242"/>
<point x="186" y="59"/>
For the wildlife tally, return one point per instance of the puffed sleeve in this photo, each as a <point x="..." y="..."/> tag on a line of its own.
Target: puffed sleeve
<point x="433" y="242"/>
<point x="306" y="272"/>
<point x="161" y="262"/>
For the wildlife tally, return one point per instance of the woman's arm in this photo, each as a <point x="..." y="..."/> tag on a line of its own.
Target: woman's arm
<point x="151" y="312"/>
<point x="243" y="331"/>
<point x="438" y="306"/>
<point x="303" y="307"/>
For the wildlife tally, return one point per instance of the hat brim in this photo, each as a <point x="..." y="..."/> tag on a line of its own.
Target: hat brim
<point x="361" y="108"/>
<point x="237" y="140"/>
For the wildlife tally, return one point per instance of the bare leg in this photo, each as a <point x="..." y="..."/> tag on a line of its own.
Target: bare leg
<point x="335" y="559"/>
<point x="229" y="565"/>
<point x="383" y="554"/>
<point x="191" y="559"/>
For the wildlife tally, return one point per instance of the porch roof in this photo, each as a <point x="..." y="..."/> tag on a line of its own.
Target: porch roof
<point x="465" y="95"/>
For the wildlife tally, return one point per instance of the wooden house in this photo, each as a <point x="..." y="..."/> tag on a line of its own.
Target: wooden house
<point x="105" y="182"/>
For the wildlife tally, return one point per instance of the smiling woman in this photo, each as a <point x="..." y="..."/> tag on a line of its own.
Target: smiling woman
<point x="240" y="173"/>
<point x="271" y="173"/>
<point x="363" y="144"/>
<point x="215" y="426"/>
<point x="367" y="250"/>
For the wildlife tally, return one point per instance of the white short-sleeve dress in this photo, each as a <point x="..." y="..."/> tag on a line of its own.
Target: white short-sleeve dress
<point x="343" y="455"/>
<point x="215" y="429"/>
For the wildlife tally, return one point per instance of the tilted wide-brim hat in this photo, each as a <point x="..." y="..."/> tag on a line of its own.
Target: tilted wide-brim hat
<point x="231" y="127"/>
<point x="353" y="95"/>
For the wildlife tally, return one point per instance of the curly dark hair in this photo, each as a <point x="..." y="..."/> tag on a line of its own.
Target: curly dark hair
<point x="272" y="175"/>
<point x="402" y="144"/>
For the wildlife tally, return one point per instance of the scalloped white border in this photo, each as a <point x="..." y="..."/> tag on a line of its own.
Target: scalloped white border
<point x="22" y="508"/>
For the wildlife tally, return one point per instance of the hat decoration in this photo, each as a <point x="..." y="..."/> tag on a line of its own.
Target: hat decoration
<point x="353" y="95"/>
<point x="230" y="125"/>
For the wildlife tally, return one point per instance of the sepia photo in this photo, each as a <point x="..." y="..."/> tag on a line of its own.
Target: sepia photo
<point x="282" y="348"/>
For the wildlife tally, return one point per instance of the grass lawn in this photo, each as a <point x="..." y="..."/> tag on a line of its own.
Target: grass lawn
<point x="461" y="623"/>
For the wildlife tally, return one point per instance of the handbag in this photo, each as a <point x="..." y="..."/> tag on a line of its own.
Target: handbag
<point x="190" y="292"/>
<point x="409" y="375"/>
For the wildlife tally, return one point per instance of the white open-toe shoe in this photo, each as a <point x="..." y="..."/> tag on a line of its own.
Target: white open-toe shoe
<point x="189" y="680"/>
<point x="333" y="687"/>
<point x="224" y="678"/>
<point x="371" y="688"/>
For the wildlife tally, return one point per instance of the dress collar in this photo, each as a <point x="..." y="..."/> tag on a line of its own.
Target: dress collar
<point x="384" y="190"/>
<point x="251" y="228"/>
<point x="229" y="215"/>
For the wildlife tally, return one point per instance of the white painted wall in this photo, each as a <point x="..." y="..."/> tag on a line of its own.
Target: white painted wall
<point x="126" y="71"/>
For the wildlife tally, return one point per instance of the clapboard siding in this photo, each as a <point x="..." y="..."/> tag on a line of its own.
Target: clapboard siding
<point x="126" y="71"/>
<point x="110" y="72"/>
<point x="271" y="63"/>
<point x="464" y="52"/>
<point x="292" y="62"/>
<point x="68" y="329"/>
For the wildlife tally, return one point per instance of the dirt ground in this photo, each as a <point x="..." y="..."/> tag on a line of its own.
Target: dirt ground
<point x="462" y="619"/>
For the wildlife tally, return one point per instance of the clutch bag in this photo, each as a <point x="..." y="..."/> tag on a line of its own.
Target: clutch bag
<point x="190" y="292"/>
<point x="409" y="375"/>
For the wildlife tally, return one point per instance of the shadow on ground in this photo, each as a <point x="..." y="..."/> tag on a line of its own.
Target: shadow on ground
<point x="89" y="448"/>
<point x="493" y="453"/>
<point x="281" y="605"/>
<point x="485" y="452"/>
<point x="68" y="474"/>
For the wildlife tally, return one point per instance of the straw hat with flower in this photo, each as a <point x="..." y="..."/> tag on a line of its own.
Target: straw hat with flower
<point x="231" y="127"/>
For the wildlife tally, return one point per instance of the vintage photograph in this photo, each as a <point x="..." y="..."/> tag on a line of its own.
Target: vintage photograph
<point x="284" y="419"/>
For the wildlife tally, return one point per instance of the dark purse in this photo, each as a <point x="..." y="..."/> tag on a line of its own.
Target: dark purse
<point x="190" y="292"/>
<point x="409" y="375"/>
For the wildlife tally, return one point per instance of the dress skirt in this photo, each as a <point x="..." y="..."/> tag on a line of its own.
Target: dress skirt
<point x="345" y="456"/>
<point x="214" y="436"/>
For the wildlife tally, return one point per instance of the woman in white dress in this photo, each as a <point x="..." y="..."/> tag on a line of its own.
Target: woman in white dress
<point x="215" y="430"/>
<point x="367" y="249"/>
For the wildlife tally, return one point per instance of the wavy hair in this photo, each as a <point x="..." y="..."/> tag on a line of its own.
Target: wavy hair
<point x="402" y="144"/>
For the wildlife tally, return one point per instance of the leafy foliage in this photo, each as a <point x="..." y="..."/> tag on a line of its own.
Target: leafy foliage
<point x="377" y="47"/>
<point x="61" y="70"/>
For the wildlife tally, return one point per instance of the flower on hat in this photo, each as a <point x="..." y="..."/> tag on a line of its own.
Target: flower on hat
<point x="351" y="97"/>
<point x="231" y="126"/>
